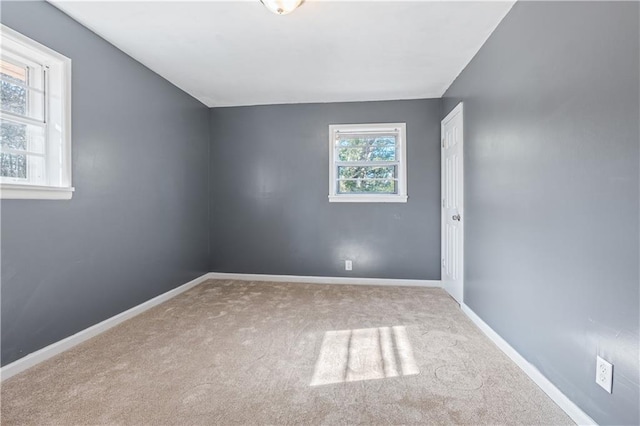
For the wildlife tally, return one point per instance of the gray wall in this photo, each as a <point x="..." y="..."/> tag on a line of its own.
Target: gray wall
<point x="551" y="163"/>
<point x="136" y="226"/>
<point x="269" y="186"/>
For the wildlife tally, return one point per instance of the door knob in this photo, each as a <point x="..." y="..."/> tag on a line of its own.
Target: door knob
<point x="456" y="217"/>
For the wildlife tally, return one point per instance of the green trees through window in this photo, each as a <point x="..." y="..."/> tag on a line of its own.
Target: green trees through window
<point x="13" y="136"/>
<point x="366" y="164"/>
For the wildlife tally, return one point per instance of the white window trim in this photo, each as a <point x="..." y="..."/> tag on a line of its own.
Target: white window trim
<point x="14" y="191"/>
<point x="401" y="196"/>
<point x="20" y="191"/>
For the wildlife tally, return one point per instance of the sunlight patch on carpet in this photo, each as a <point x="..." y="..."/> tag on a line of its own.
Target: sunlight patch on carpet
<point x="364" y="354"/>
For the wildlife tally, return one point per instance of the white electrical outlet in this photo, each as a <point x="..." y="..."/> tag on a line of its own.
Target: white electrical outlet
<point x="604" y="374"/>
<point x="348" y="265"/>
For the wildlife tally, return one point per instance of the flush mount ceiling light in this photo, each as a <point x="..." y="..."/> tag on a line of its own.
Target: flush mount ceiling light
<point x="281" y="7"/>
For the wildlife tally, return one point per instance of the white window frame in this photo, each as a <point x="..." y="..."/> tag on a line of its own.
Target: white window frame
<point x="57" y="133"/>
<point x="401" y="155"/>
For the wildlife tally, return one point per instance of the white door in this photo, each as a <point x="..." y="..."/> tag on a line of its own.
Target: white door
<point x="452" y="240"/>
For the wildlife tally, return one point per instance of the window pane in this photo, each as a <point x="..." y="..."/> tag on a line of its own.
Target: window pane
<point x="352" y="140"/>
<point x="13" y="97"/>
<point x="362" y="172"/>
<point x="15" y="94"/>
<point x="12" y="71"/>
<point x="13" y="135"/>
<point x="21" y="100"/>
<point x="18" y="167"/>
<point x="384" y="140"/>
<point x="352" y="154"/>
<point x="382" y="153"/>
<point x="367" y="154"/>
<point x="364" y="186"/>
<point x="13" y="79"/>
<point x="13" y="165"/>
<point x="21" y="137"/>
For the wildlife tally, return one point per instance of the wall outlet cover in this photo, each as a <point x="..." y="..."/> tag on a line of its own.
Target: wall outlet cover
<point x="348" y="265"/>
<point x="604" y="374"/>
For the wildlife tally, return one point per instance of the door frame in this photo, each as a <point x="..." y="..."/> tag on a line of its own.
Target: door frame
<point x="459" y="109"/>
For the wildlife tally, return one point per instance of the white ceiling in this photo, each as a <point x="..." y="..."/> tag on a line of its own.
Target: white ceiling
<point x="228" y="53"/>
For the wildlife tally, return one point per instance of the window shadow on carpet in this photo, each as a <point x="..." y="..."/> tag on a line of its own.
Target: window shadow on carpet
<point x="364" y="354"/>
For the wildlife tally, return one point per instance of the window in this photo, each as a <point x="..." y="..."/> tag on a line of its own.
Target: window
<point x="35" y="120"/>
<point x="368" y="163"/>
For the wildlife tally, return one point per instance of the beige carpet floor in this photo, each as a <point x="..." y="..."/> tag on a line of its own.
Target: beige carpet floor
<point x="231" y="352"/>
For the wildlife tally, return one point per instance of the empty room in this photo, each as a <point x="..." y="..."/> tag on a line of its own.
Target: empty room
<point x="292" y="212"/>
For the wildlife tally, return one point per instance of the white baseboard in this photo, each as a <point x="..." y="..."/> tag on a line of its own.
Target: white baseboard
<point x="60" y="346"/>
<point x="572" y="410"/>
<point x="322" y="280"/>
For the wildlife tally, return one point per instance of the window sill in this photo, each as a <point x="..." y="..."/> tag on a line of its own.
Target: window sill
<point x="10" y="191"/>
<point x="368" y="198"/>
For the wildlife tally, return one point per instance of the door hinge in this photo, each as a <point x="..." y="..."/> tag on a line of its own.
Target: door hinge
<point x="443" y="203"/>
